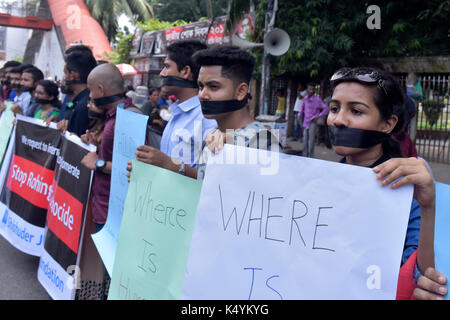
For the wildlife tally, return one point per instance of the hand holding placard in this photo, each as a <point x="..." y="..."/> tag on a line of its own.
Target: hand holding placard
<point x="305" y="232"/>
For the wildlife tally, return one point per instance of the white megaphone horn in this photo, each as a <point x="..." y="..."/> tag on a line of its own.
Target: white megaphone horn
<point x="276" y="42"/>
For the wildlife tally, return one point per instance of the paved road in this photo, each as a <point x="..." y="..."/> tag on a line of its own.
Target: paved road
<point x="18" y="275"/>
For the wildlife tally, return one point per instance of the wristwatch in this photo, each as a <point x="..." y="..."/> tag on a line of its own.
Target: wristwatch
<point x="100" y="164"/>
<point x="181" y="170"/>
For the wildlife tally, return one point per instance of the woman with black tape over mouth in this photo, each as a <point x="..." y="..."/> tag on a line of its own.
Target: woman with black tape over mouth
<point x="366" y="107"/>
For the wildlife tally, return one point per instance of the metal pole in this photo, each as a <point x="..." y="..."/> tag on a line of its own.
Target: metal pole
<point x="209" y="10"/>
<point x="272" y="7"/>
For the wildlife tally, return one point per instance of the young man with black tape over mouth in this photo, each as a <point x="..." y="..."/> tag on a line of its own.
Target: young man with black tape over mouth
<point x="23" y="97"/>
<point x="224" y="80"/>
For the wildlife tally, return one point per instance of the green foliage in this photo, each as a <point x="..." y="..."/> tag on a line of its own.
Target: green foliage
<point x="412" y="28"/>
<point x="124" y="44"/>
<point x="188" y="10"/>
<point x="18" y="59"/>
<point x="328" y="34"/>
<point x="167" y="14"/>
<point x="155" y="24"/>
<point x="121" y="53"/>
<point x="107" y="11"/>
<point x="432" y="110"/>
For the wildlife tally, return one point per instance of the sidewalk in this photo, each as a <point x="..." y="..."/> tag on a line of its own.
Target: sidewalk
<point x="441" y="172"/>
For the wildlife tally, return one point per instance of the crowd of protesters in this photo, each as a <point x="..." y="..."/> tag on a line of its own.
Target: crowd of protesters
<point x="205" y="94"/>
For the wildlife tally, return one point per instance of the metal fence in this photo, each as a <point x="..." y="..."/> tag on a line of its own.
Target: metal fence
<point x="432" y="134"/>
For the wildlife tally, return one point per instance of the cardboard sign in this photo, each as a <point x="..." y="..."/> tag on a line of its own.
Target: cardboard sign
<point x="68" y="199"/>
<point x="129" y="133"/>
<point x="154" y="238"/>
<point x="311" y="229"/>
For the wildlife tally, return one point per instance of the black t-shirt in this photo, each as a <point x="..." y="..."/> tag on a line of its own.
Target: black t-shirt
<point x="79" y="120"/>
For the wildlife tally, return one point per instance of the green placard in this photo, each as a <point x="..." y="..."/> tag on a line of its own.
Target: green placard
<point x="155" y="234"/>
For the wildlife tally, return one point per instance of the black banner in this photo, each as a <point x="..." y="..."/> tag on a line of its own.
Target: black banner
<point x="30" y="172"/>
<point x="67" y="204"/>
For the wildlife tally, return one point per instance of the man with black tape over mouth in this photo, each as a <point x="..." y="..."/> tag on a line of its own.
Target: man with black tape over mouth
<point x="106" y="94"/>
<point x="74" y="116"/>
<point x="366" y="107"/>
<point x="224" y="80"/>
<point x="8" y="93"/>
<point x="182" y="138"/>
<point x="28" y="82"/>
<point x="22" y="100"/>
<point x="105" y="84"/>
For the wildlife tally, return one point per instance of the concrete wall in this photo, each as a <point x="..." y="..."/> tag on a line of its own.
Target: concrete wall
<point x="16" y="41"/>
<point x="50" y="58"/>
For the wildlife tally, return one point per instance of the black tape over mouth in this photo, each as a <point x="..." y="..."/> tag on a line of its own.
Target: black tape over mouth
<point x="356" y="138"/>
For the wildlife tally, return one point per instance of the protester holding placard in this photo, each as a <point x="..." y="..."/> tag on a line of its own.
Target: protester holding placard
<point x="68" y="99"/>
<point x="79" y="63"/>
<point x="23" y="97"/>
<point x="98" y="118"/>
<point x="14" y="81"/>
<point x="105" y="83"/>
<point x="7" y="92"/>
<point x="106" y="87"/>
<point x="28" y="82"/>
<point x="24" y="101"/>
<point x="367" y="106"/>
<point x="224" y="80"/>
<point x="47" y="101"/>
<point x="181" y="143"/>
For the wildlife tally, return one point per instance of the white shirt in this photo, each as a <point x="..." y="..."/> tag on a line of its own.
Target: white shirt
<point x="23" y="101"/>
<point x="298" y="102"/>
<point x="183" y="135"/>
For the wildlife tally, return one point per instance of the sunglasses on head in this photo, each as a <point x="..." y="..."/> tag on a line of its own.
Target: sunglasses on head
<point x="360" y="74"/>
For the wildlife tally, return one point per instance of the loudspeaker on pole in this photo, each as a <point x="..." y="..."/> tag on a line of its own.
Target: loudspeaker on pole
<point x="276" y="42"/>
